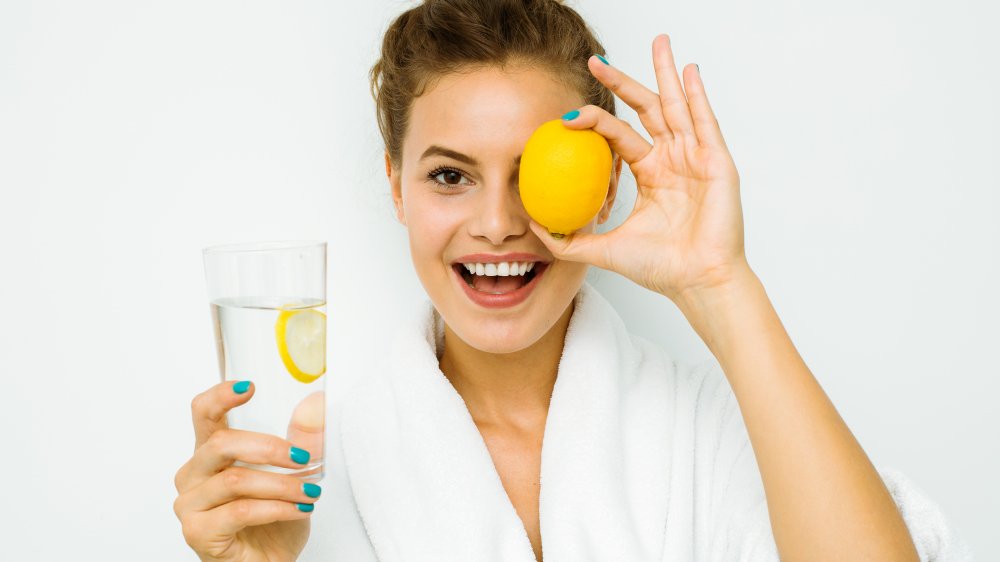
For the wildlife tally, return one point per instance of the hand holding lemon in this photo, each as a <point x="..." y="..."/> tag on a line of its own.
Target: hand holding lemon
<point x="685" y="232"/>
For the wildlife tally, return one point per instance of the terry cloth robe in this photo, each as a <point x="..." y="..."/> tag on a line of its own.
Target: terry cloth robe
<point x="643" y="459"/>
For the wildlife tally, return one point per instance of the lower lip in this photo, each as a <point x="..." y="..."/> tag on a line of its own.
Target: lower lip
<point x="505" y="300"/>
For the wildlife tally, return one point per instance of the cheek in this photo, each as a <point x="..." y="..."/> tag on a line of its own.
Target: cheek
<point x="432" y="222"/>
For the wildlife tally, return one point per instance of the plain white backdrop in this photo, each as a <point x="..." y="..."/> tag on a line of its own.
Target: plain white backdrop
<point x="132" y="134"/>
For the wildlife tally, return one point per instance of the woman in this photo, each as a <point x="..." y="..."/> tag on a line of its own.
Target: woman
<point x="439" y="453"/>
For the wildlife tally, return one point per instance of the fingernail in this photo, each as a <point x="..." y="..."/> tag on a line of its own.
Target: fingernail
<point x="241" y="387"/>
<point x="698" y="67"/>
<point x="604" y="60"/>
<point x="557" y="236"/>
<point x="306" y="507"/>
<point x="312" y="490"/>
<point x="571" y="115"/>
<point x="300" y="456"/>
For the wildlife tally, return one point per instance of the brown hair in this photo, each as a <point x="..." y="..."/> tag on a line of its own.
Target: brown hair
<point x="439" y="37"/>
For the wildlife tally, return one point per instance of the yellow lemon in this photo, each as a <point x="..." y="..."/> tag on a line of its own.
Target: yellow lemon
<point x="301" y="337"/>
<point x="564" y="176"/>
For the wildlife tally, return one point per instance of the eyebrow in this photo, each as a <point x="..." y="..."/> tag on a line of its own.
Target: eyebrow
<point x="435" y="150"/>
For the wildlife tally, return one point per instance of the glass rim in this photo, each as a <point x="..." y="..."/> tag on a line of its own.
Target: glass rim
<point x="265" y="246"/>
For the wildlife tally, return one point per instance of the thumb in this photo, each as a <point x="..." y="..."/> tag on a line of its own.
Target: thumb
<point x="577" y="246"/>
<point x="305" y="429"/>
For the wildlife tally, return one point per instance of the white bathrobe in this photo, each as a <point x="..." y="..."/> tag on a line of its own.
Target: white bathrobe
<point x="643" y="459"/>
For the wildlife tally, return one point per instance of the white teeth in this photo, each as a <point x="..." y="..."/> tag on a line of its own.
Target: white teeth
<point x="502" y="269"/>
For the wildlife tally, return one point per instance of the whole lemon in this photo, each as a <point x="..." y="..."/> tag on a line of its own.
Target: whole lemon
<point x="564" y="176"/>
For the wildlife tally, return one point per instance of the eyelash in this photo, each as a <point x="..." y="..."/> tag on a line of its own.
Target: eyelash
<point x="441" y="169"/>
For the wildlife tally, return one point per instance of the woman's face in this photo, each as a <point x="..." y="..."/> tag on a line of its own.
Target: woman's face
<point x="457" y="193"/>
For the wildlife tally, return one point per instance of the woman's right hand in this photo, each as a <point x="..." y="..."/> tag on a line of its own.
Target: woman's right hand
<point x="231" y="513"/>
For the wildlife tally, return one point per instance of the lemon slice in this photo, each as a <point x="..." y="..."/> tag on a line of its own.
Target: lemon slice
<point x="301" y="337"/>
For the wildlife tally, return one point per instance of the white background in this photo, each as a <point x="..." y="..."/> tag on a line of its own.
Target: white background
<point x="132" y="134"/>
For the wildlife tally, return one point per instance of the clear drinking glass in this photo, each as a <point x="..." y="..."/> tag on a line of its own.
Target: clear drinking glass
<point x="268" y="302"/>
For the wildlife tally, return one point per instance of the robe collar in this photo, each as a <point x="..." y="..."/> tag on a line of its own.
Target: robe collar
<point x="425" y="484"/>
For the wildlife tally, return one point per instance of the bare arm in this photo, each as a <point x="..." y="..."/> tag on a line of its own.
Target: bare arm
<point x="684" y="240"/>
<point x="825" y="498"/>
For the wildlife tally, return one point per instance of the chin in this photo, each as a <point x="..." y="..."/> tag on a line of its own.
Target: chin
<point x="501" y="341"/>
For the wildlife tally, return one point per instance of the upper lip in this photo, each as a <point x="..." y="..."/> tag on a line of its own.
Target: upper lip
<point x="497" y="258"/>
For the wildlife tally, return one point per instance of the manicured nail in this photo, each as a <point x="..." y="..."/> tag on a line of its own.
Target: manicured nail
<point x="312" y="490"/>
<point x="241" y="387"/>
<point x="300" y="456"/>
<point x="306" y="507"/>
<point x="571" y="115"/>
<point x="604" y="60"/>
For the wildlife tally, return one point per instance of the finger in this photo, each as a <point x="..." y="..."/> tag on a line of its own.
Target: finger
<point x="208" y="409"/>
<point x="706" y="125"/>
<point x="672" y="98"/>
<point x="644" y="101"/>
<point x="238" y="482"/>
<point x="579" y="246"/>
<point x="226" y="446"/>
<point x="622" y="138"/>
<point x="231" y="518"/>
<point x="305" y="428"/>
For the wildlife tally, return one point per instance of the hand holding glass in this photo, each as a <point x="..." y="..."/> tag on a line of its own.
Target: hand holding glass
<point x="268" y="303"/>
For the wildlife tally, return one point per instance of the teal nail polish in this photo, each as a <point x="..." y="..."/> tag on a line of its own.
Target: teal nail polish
<point x="300" y="456"/>
<point x="312" y="490"/>
<point x="571" y="115"/>
<point x="241" y="387"/>
<point x="306" y="507"/>
<point x="604" y="60"/>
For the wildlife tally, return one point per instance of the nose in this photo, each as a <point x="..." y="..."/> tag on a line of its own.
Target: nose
<point x="499" y="214"/>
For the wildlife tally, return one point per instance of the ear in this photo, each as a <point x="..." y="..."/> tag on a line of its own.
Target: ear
<point x="396" y="187"/>
<point x="609" y="202"/>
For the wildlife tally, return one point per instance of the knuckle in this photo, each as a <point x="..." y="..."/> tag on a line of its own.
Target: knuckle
<point x="178" y="508"/>
<point x="198" y="403"/>
<point x="240" y="510"/>
<point x="178" y="478"/>
<point x="233" y="479"/>
<point x="277" y="449"/>
<point x="219" y="440"/>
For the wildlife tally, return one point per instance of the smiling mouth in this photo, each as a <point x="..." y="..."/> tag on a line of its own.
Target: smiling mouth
<point x="497" y="284"/>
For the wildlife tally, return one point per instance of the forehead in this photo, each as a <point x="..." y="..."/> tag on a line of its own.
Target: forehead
<point x="489" y="110"/>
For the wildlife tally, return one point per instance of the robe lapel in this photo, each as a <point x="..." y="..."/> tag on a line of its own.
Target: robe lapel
<point x="606" y="446"/>
<point x="425" y="483"/>
<point x="422" y="477"/>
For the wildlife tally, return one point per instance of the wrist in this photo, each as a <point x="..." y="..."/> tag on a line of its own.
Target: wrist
<point x="712" y="310"/>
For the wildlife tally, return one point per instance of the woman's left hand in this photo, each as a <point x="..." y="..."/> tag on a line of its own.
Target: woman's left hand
<point x="685" y="232"/>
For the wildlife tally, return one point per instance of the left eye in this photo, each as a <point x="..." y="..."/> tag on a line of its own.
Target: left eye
<point x="449" y="177"/>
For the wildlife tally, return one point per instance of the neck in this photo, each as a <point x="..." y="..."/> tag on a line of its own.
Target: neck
<point x="506" y="389"/>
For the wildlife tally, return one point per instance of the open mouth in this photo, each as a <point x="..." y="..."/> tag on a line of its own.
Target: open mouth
<point x="497" y="284"/>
